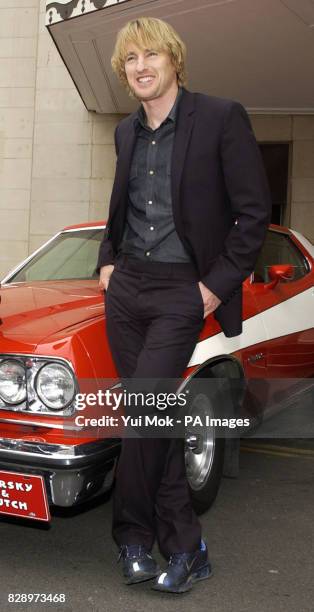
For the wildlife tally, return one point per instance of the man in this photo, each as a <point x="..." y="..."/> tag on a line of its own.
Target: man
<point x="188" y="214"/>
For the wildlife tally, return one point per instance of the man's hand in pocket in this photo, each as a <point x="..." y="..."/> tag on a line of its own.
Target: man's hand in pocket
<point x="104" y="276"/>
<point x="211" y="301"/>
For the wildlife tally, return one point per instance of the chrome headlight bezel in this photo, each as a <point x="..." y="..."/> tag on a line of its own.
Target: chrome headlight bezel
<point x="40" y="393"/>
<point x="18" y="400"/>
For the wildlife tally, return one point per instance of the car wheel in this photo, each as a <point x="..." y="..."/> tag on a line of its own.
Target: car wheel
<point x="204" y="453"/>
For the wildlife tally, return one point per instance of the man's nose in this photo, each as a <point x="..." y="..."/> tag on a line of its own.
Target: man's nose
<point x="140" y="64"/>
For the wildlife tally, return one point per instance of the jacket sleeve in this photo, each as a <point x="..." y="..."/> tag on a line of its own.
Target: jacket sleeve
<point x="250" y="202"/>
<point x="105" y="254"/>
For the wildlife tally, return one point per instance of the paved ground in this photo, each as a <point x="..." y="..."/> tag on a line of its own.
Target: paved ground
<point x="260" y="535"/>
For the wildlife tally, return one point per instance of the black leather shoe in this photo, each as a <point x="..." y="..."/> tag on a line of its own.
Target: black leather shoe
<point x="138" y="563"/>
<point x="183" y="570"/>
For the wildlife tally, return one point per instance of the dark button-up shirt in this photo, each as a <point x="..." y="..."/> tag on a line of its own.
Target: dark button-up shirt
<point x="149" y="231"/>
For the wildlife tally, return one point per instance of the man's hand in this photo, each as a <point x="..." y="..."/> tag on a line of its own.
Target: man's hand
<point x="104" y="276"/>
<point x="211" y="301"/>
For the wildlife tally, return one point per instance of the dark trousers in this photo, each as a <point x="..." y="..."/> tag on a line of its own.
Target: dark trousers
<point x="154" y="314"/>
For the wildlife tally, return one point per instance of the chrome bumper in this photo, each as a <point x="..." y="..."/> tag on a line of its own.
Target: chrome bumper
<point x="72" y="474"/>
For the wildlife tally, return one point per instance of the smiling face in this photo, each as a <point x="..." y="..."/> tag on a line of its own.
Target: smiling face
<point x="150" y="73"/>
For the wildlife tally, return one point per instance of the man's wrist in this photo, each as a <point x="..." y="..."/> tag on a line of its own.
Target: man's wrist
<point x="213" y="290"/>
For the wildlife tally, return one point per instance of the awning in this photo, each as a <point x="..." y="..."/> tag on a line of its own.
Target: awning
<point x="259" y="52"/>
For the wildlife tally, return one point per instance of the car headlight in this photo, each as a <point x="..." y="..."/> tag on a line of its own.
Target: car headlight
<point x="55" y="386"/>
<point x="12" y="382"/>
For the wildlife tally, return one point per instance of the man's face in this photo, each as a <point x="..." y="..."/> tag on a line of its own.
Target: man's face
<point x="150" y="73"/>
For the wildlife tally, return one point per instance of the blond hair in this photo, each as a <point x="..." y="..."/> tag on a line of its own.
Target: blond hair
<point x="148" y="32"/>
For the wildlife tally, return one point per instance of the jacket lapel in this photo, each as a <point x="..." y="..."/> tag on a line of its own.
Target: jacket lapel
<point x="184" y="126"/>
<point x="126" y="145"/>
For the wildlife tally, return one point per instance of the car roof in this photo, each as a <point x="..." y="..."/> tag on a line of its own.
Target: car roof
<point x="85" y="225"/>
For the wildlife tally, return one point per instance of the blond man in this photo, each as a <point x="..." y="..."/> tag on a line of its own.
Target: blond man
<point x="188" y="213"/>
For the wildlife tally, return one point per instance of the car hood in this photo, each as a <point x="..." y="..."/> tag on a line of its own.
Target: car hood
<point x="30" y="312"/>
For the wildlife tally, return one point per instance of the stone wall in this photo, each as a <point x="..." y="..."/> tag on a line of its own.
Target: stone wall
<point x="302" y="176"/>
<point x="57" y="160"/>
<point x="74" y="159"/>
<point x="18" y="53"/>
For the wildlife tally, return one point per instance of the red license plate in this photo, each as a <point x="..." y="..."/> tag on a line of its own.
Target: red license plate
<point x="24" y="496"/>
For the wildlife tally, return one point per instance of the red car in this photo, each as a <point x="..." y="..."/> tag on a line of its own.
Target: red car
<point x="53" y="340"/>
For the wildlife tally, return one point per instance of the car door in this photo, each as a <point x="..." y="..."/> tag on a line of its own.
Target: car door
<point x="287" y="312"/>
<point x="286" y="308"/>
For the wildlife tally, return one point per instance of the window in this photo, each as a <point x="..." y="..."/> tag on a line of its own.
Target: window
<point x="278" y="248"/>
<point x="71" y="255"/>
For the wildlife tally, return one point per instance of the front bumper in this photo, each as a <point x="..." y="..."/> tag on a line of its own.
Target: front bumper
<point x="72" y="474"/>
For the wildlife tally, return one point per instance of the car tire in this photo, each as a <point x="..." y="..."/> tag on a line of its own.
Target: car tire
<point x="204" y="453"/>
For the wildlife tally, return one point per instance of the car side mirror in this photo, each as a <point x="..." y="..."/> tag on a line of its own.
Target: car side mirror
<point x="279" y="272"/>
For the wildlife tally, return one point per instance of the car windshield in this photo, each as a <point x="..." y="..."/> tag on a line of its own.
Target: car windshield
<point x="71" y="255"/>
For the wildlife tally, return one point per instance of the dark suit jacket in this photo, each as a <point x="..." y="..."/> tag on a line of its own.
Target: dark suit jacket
<point x="220" y="196"/>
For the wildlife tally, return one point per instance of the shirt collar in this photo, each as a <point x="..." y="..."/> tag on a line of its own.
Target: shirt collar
<point x="141" y="115"/>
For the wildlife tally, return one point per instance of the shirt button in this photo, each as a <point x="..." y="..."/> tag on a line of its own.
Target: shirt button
<point x="153" y="142"/>
<point x="151" y="228"/>
<point x="147" y="253"/>
<point x="150" y="201"/>
<point x="151" y="172"/>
